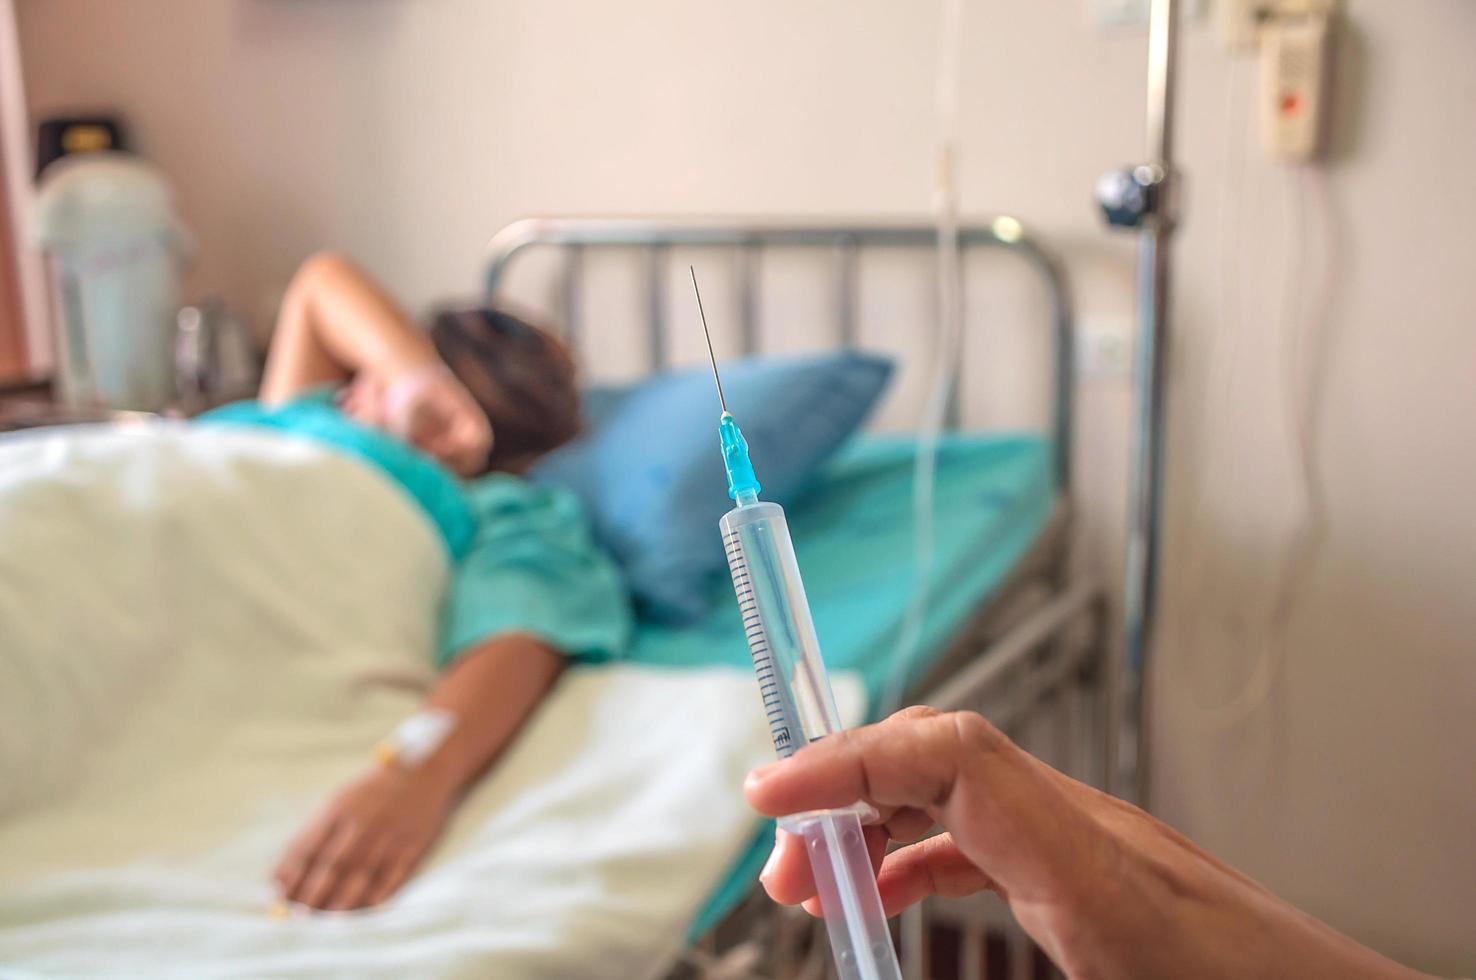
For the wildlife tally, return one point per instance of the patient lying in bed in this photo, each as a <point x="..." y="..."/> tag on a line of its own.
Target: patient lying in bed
<point x="452" y="418"/>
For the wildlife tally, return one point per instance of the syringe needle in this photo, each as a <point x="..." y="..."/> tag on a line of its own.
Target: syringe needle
<point x="710" y="355"/>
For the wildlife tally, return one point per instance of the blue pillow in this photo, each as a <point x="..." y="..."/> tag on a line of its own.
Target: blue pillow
<point x="650" y="472"/>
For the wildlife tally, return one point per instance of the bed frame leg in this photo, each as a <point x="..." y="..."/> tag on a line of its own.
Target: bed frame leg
<point x="915" y="964"/>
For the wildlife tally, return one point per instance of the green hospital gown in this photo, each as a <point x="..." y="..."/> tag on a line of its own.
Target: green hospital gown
<point x="523" y="559"/>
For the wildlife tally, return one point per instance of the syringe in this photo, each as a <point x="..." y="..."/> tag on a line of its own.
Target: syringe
<point x="798" y="702"/>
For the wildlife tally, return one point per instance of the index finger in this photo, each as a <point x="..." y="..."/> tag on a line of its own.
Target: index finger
<point x="293" y="867"/>
<point x="912" y="759"/>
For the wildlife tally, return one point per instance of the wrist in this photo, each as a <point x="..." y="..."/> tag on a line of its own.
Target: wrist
<point x="421" y="749"/>
<point x="405" y="388"/>
<point x="396" y="373"/>
<point x="1117" y="917"/>
<point x="447" y="771"/>
<point x="409" y="360"/>
<point x="435" y="780"/>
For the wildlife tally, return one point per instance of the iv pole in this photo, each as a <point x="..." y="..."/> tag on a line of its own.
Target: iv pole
<point x="1143" y="198"/>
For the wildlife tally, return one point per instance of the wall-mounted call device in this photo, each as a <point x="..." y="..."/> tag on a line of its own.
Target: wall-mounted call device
<point x="1293" y="82"/>
<point x="1292" y="37"/>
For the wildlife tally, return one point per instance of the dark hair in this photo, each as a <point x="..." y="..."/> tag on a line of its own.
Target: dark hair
<point x="521" y="376"/>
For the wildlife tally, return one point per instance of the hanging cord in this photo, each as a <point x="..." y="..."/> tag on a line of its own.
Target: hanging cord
<point x="946" y="357"/>
<point x="1302" y="328"/>
<point x="1224" y="356"/>
<point x="1217" y="388"/>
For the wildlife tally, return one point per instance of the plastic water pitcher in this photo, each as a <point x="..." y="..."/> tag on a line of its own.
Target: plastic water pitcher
<point x="115" y="252"/>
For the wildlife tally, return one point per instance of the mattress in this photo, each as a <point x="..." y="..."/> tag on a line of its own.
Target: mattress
<point x="854" y="539"/>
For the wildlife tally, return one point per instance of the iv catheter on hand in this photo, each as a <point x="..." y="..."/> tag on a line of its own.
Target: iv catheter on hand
<point x="798" y="702"/>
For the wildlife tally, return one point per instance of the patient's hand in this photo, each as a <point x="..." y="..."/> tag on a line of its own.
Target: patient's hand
<point x="363" y="845"/>
<point x="428" y="408"/>
<point x="433" y="411"/>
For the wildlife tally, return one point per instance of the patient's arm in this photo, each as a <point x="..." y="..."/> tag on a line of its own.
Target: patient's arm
<point x="363" y="845"/>
<point x="336" y="323"/>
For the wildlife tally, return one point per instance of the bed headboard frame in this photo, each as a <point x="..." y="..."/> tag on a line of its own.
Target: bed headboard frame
<point x="748" y="238"/>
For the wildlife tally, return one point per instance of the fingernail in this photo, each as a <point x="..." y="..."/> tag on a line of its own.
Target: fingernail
<point x="770" y="864"/>
<point x="761" y="773"/>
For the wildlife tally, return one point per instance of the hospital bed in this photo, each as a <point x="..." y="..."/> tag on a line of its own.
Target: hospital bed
<point x="257" y="612"/>
<point x="1014" y="628"/>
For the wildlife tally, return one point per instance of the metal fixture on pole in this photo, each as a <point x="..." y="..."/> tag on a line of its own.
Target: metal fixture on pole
<point x="1143" y="198"/>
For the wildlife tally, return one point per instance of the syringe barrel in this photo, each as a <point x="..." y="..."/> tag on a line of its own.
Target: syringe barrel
<point x="800" y="708"/>
<point x="846" y="887"/>
<point x="776" y="620"/>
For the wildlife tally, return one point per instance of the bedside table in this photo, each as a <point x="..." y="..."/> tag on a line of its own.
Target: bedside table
<point x="31" y="405"/>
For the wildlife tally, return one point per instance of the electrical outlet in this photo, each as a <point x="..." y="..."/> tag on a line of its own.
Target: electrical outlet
<point x="1104" y="347"/>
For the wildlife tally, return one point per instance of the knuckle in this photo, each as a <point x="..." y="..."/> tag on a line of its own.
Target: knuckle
<point x="842" y="741"/>
<point x="916" y="712"/>
<point x="975" y="733"/>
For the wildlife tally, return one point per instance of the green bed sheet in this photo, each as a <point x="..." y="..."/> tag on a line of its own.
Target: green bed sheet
<point x="853" y="535"/>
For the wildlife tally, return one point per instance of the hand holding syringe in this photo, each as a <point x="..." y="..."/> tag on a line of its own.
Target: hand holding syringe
<point x="798" y="703"/>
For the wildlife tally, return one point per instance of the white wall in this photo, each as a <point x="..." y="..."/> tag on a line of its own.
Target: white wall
<point x="1351" y="790"/>
<point x="408" y="130"/>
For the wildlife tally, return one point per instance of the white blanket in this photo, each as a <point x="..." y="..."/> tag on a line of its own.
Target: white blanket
<point x="204" y="631"/>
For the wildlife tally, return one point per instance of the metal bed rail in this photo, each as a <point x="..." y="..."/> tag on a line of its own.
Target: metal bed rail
<point x="846" y="239"/>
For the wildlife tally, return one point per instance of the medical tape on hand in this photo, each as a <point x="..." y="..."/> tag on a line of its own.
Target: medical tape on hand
<point x="416" y="738"/>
